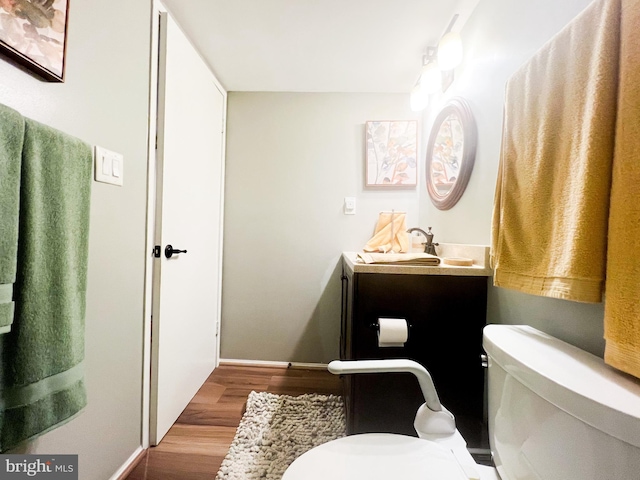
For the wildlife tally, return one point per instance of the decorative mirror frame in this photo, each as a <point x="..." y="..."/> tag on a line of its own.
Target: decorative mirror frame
<point x="460" y="108"/>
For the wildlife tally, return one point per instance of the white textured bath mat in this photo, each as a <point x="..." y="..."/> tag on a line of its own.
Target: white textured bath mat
<point x="277" y="429"/>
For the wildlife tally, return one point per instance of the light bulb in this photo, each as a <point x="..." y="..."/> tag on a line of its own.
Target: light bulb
<point x="450" y="51"/>
<point x="419" y="98"/>
<point x="430" y="78"/>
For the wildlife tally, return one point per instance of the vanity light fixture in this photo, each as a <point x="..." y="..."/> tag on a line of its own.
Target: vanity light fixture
<point x="450" y="47"/>
<point x="430" y="77"/>
<point x="428" y="82"/>
<point x="419" y="98"/>
<point x="450" y="51"/>
<point x="443" y="58"/>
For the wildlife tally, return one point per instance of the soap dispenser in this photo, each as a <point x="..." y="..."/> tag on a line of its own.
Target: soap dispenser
<point x="430" y="247"/>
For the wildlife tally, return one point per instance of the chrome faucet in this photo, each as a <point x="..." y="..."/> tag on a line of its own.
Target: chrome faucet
<point x="429" y="246"/>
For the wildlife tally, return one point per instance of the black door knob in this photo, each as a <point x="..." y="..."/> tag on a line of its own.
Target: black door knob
<point x="169" y="251"/>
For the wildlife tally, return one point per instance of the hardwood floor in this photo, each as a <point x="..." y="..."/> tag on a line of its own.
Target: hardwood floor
<point x="195" y="446"/>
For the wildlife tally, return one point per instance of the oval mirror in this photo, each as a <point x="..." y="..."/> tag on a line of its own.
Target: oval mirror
<point x="450" y="153"/>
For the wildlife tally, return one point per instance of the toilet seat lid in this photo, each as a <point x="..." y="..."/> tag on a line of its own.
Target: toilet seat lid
<point x="376" y="456"/>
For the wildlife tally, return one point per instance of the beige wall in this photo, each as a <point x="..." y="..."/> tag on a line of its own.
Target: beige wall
<point x="498" y="38"/>
<point x="104" y="101"/>
<point x="291" y="160"/>
<point x="284" y="229"/>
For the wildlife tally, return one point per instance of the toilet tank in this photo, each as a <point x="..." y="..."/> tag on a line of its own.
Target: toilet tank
<point x="557" y="412"/>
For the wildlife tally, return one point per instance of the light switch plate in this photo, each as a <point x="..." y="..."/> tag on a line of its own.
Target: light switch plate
<point x="109" y="166"/>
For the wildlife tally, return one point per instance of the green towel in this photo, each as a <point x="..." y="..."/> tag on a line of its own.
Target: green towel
<point x="11" y="137"/>
<point x="42" y="356"/>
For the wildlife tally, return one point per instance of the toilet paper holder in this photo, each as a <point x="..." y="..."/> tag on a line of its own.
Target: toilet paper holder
<point x="376" y="326"/>
<point x="391" y="339"/>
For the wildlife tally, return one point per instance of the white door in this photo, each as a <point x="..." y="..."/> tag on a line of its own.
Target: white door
<point x="186" y="286"/>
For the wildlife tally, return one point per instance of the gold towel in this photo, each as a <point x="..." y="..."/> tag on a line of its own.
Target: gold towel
<point x="550" y="213"/>
<point x="390" y="234"/>
<point x="622" y="305"/>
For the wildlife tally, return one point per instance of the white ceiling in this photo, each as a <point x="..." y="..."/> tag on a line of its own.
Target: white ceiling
<point x="316" y="45"/>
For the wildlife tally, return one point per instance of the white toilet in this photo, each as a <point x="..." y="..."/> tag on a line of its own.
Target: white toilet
<point x="555" y="413"/>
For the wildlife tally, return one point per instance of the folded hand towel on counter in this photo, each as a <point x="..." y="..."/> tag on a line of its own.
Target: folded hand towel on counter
<point x="550" y="214"/>
<point x="11" y="138"/>
<point x="390" y="234"/>
<point x="423" y="259"/>
<point x="622" y="309"/>
<point x="42" y="356"/>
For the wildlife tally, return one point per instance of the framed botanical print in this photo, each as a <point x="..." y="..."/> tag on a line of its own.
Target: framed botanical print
<point x="33" y="33"/>
<point x="391" y="153"/>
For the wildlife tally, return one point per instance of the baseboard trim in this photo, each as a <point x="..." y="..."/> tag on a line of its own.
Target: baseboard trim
<point x="268" y="363"/>
<point x="131" y="463"/>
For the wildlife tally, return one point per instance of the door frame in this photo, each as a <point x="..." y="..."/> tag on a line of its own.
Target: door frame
<point x="156" y="8"/>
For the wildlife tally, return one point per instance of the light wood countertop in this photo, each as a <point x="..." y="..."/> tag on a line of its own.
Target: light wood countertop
<point x="479" y="254"/>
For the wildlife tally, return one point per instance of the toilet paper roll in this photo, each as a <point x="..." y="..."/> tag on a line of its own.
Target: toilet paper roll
<point x="392" y="332"/>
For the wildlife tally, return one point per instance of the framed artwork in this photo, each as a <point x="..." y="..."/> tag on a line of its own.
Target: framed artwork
<point x="451" y="153"/>
<point x="391" y="153"/>
<point x="33" y="33"/>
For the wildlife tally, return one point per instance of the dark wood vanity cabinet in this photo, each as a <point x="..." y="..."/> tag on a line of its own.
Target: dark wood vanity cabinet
<point x="446" y="314"/>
